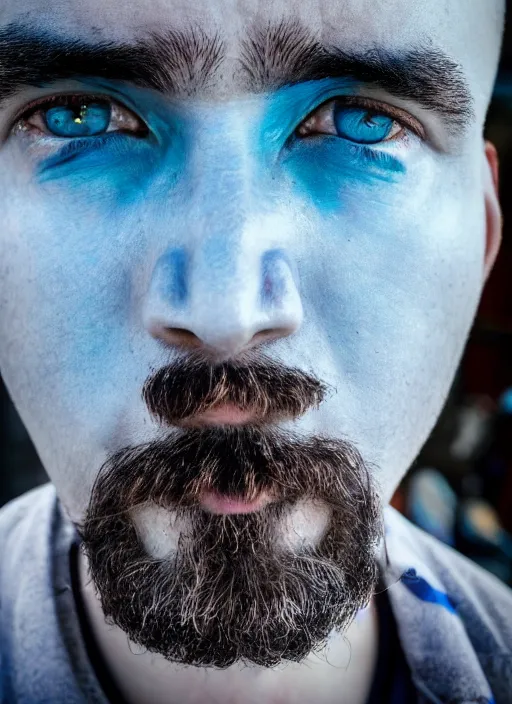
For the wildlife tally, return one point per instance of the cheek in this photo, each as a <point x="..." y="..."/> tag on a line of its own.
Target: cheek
<point x="390" y="296"/>
<point x="74" y="264"/>
<point x="397" y="263"/>
<point x="66" y="314"/>
<point x="64" y="285"/>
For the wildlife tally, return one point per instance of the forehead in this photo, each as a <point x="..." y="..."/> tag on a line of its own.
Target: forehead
<point x="354" y="21"/>
<point x="455" y="27"/>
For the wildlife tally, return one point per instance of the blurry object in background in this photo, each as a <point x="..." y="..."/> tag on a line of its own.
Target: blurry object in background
<point x="460" y="487"/>
<point x="462" y="520"/>
<point x="474" y="420"/>
<point x="481" y="537"/>
<point x="495" y="465"/>
<point x="506" y="402"/>
<point x="470" y="525"/>
<point x="462" y="435"/>
<point x="432" y="504"/>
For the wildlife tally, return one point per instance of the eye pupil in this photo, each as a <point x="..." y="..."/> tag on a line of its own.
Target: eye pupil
<point x="84" y="120"/>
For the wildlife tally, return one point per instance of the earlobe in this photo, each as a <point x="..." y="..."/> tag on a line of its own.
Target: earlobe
<point x="492" y="208"/>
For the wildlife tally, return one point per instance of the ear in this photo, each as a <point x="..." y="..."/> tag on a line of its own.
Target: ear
<point x="492" y="208"/>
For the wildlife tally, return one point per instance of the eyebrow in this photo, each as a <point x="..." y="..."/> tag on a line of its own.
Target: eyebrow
<point x="188" y="62"/>
<point x="173" y="62"/>
<point x="286" y="54"/>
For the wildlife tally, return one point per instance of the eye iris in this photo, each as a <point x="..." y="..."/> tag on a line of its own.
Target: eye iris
<point x="84" y="120"/>
<point x="362" y="126"/>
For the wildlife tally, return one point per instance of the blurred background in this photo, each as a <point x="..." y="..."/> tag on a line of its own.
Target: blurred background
<point x="460" y="486"/>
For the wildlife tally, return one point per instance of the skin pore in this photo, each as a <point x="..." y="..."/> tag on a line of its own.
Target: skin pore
<point x="235" y="203"/>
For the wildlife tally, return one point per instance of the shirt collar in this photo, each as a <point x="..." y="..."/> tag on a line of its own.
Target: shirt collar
<point x="442" y="659"/>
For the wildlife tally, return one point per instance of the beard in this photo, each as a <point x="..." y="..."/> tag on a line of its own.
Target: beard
<point x="231" y="590"/>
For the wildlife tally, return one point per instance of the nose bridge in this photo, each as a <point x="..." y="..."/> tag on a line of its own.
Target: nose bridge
<point x="222" y="174"/>
<point x="230" y="282"/>
<point x="224" y="259"/>
<point x="223" y="265"/>
<point x="225" y="281"/>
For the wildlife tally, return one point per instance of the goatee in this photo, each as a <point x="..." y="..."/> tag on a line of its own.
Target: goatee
<point x="232" y="590"/>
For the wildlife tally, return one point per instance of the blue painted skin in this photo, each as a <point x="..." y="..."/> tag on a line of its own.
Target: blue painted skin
<point x="170" y="276"/>
<point x="220" y="185"/>
<point x="319" y="167"/>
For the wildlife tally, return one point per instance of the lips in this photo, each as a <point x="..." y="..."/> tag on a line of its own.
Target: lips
<point x="227" y="414"/>
<point x="218" y="503"/>
<point x="222" y="414"/>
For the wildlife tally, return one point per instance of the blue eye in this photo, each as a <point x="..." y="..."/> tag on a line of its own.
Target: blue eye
<point x="361" y="125"/>
<point x="80" y="120"/>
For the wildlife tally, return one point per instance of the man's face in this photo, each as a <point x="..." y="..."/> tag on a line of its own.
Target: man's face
<point x="296" y="183"/>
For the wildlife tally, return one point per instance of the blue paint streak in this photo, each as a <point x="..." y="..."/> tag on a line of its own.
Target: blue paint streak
<point x="116" y="169"/>
<point x="287" y="107"/>
<point x="422" y="589"/>
<point x="272" y="276"/>
<point x="171" y="276"/>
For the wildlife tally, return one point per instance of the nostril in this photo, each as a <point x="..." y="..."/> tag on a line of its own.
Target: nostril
<point x="181" y="337"/>
<point x="269" y="334"/>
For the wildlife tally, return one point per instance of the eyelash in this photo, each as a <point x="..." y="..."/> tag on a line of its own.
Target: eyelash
<point x="402" y="118"/>
<point x="72" y="99"/>
<point x="73" y="145"/>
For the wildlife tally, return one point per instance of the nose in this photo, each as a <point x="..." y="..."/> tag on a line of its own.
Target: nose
<point x="223" y="302"/>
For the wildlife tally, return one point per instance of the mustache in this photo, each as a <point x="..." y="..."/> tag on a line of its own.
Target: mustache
<point x="266" y="388"/>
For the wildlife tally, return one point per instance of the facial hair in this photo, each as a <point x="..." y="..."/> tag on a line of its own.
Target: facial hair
<point x="232" y="591"/>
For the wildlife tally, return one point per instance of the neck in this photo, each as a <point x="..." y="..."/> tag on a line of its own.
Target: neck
<point x="342" y="674"/>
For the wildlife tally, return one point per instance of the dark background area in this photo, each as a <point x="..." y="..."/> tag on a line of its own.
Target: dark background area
<point x="460" y="486"/>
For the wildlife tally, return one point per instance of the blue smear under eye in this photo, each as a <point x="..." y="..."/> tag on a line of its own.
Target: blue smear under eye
<point x="113" y="167"/>
<point x="91" y="149"/>
<point x="362" y="126"/>
<point x="80" y="121"/>
<point x="328" y="170"/>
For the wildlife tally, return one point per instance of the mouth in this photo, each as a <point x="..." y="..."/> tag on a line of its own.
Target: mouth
<point x="222" y="414"/>
<point x="222" y="504"/>
<point x="228" y="415"/>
